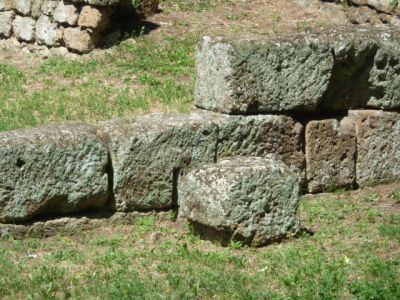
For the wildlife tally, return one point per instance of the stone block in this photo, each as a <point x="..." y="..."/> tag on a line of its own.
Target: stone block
<point x="66" y="14"/>
<point x="149" y="154"/>
<point x="36" y="8"/>
<point x="96" y="18"/>
<point x="80" y="40"/>
<point x="378" y="146"/>
<point x="261" y="136"/>
<point x="250" y="199"/>
<point x="6" y="20"/>
<point x="24" y="28"/>
<point x="23" y="7"/>
<point x="333" y="71"/>
<point x="330" y="154"/>
<point x="6" y="5"/>
<point x="47" y="170"/>
<point x="47" y="32"/>
<point x="48" y="7"/>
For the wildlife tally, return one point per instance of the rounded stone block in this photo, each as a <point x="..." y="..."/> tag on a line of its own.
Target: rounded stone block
<point x="47" y="32"/>
<point x="250" y="199"/>
<point x="66" y="14"/>
<point x="96" y="18"/>
<point x="80" y="40"/>
<point x="24" y="28"/>
<point x="6" y="20"/>
<point x="48" y="170"/>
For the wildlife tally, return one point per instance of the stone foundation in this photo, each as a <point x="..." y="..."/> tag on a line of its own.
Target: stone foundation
<point x="78" y="25"/>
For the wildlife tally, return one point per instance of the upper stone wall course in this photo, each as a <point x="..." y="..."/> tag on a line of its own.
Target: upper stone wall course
<point x="327" y="72"/>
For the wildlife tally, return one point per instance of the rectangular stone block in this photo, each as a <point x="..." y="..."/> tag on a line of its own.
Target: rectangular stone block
<point x="334" y="71"/>
<point x="378" y="146"/>
<point x="261" y="136"/>
<point x="24" y="28"/>
<point x="6" y="20"/>
<point x="330" y="154"/>
<point x="56" y="169"/>
<point x="149" y="153"/>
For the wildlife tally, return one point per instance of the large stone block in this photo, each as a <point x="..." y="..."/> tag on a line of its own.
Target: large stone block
<point x="250" y="199"/>
<point x="52" y="169"/>
<point x="6" y="20"/>
<point x="378" y="146"/>
<point x="24" y="28"/>
<point x="333" y="71"/>
<point x="47" y="32"/>
<point x="261" y="136"/>
<point x="331" y="154"/>
<point x="80" y="40"/>
<point x="66" y="14"/>
<point x="149" y="153"/>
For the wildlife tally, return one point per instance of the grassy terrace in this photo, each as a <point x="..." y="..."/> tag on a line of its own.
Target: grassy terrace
<point x="353" y="253"/>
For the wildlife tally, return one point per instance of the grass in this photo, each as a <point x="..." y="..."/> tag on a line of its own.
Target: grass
<point x="140" y="76"/>
<point x="350" y="255"/>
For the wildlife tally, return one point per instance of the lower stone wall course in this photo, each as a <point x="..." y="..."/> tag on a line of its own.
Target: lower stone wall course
<point x="378" y="146"/>
<point x="55" y="169"/>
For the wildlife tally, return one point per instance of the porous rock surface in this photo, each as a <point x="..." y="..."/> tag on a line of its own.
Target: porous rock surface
<point x="378" y="146"/>
<point x="149" y="153"/>
<point x="253" y="200"/>
<point x="333" y="71"/>
<point x="262" y="135"/>
<point x="55" y="169"/>
<point x="331" y="154"/>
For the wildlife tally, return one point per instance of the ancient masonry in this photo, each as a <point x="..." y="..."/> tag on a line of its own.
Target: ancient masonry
<point x="78" y="25"/>
<point x="306" y="113"/>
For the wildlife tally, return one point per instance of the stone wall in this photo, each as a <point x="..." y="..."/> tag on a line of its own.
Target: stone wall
<point x="321" y="125"/>
<point x="77" y="25"/>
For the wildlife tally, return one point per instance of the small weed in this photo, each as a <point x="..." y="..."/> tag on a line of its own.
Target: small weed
<point x="396" y="197"/>
<point x="372" y="197"/>
<point x="235" y="245"/>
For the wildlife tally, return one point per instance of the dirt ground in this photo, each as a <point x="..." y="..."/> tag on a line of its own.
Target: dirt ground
<point x="267" y="17"/>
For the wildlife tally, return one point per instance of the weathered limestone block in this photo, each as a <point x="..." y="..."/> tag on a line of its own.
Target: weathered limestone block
<point x="94" y="17"/>
<point x="250" y="199"/>
<point x="47" y="32"/>
<point x="80" y="40"/>
<point x="51" y="169"/>
<point x="6" y="5"/>
<point x="48" y="7"/>
<point x="24" y="28"/>
<point x="149" y="153"/>
<point x="23" y="6"/>
<point x="261" y="136"/>
<point x="66" y="14"/>
<point x="347" y="68"/>
<point x="36" y="8"/>
<point x="378" y="146"/>
<point x="6" y="20"/>
<point x="331" y="155"/>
